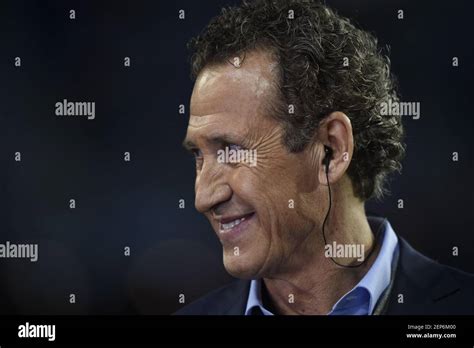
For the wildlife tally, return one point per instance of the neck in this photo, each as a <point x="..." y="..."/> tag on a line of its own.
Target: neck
<point x="314" y="283"/>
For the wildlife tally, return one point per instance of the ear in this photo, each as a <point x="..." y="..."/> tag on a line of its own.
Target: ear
<point x="335" y="131"/>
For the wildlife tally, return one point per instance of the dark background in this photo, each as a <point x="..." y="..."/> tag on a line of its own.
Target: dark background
<point x="135" y="203"/>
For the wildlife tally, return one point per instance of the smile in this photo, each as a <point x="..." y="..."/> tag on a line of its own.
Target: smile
<point x="231" y="228"/>
<point x="230" y="225"/>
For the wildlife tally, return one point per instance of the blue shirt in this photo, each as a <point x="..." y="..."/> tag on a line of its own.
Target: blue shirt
<point x="362" y="299"/>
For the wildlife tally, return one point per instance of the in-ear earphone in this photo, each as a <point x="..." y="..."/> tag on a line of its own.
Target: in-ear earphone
<point x="327" y="159"/>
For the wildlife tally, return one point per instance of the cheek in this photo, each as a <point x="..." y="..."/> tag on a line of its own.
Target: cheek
<point x="274" y="198"/>
<point x="258" y="189"/>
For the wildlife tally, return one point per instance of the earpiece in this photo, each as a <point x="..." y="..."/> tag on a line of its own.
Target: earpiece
<point x="327" y="157"/>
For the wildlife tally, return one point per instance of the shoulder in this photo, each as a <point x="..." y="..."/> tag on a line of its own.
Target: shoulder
<point x="230" y="299"/>
<point x="424" y="286"/>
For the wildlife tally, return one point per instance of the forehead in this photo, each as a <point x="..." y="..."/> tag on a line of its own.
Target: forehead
<point x="224" y="93"/>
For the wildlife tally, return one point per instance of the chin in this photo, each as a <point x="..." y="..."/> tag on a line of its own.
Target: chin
<point x="242" y="266"/>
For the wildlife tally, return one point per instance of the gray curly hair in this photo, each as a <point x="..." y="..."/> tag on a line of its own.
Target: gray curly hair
<point x="310" y="42"/>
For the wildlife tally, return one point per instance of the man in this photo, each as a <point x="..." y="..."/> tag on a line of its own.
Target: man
<point x="289" y="141"/>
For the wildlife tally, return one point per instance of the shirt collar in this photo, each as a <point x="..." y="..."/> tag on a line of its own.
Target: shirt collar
<point x="364" y="296"/>
<point x="255" y="298"/>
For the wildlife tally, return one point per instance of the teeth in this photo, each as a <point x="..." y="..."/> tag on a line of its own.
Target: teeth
<point x="231" y="224"/>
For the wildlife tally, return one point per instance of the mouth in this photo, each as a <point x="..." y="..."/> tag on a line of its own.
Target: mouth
<point x="232" y="227"/>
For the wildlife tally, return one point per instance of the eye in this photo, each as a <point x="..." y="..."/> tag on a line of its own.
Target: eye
<point x="196" y="153"/>
<point x="198" y="158"/>
<point x="234" y="147"/>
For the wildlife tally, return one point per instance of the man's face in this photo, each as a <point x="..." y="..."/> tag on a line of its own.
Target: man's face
<point x="264" y="214"/>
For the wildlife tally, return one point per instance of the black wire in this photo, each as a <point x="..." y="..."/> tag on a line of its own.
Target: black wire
<point x="324" y="223"/>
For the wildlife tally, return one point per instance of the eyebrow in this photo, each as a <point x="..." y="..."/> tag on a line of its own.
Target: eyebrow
<point x="188" y="144"/>
<point x="218" y="139"/>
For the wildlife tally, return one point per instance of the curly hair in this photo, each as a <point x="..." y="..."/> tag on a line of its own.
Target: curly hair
<point x="311" y="43"/>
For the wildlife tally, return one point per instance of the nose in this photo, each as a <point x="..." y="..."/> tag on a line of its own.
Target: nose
<point x="211" y="186"/>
